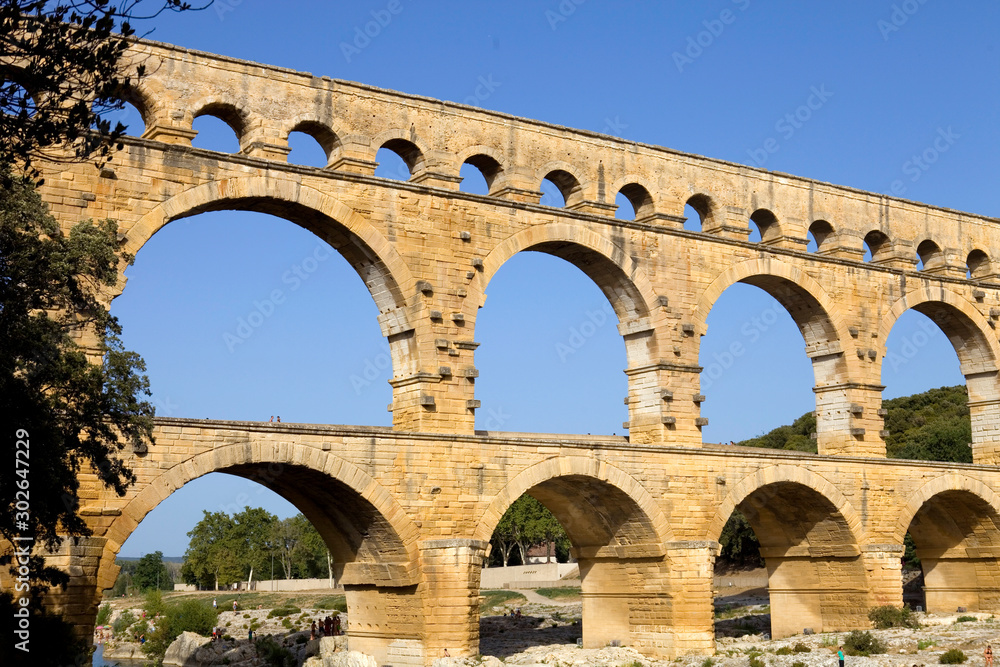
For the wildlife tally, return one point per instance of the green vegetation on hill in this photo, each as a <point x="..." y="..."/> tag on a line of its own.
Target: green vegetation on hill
<point x="932" y="426"/>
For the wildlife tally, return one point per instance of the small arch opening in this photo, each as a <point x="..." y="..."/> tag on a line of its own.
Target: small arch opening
<point x="763" y="226"/>
<point x="479" y="173"/>
<point x="634" y="201"/>
<point x="697" y="210"/>
<point x="219" y="128"/>
<point x="306" y="151"/>
<point x="559" y="189"/>
<point x="876" y="245"/>
<point x="977" y="265"/>
<point x="929" y="256"/>
<point x="398" y="160"/>
<point x="625" y="210"/>
<point x="127" y="111"/>
<point x="819" y="232"/>
<point x="312" y="144"/>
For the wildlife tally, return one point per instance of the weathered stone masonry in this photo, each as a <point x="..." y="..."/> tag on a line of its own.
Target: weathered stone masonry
<point x="408" y="511"/>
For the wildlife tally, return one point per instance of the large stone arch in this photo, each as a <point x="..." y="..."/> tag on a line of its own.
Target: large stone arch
<point x="954" y="521"/>
<point x="617" y="274"/>
<point x="978" y="350"/>
<point x="839" y="380"/>
<point x="948" y="482"/>
<point x="958" y="318"/>
<point x="785" y="474"/>
<point x="627" y="288"/>
<point x="806" y="301"/>
<point x="810" y="537"/>
<point x="375" y="531"/>
<point x="619" y="536"/>
<point x="374" y="258"/>
<point x="654" y="522"/>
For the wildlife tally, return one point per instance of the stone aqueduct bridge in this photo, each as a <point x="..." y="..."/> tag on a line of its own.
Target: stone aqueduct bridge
<point x="408" y="511"/>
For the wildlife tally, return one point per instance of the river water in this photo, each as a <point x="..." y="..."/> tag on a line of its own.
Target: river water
<point x="99" y="660"/>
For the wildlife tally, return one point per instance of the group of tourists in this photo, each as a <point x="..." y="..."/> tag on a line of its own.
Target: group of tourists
<point x="328" y="627"/>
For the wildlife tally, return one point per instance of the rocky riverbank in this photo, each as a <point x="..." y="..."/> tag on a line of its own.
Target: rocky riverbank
<point x="547" y="634"/>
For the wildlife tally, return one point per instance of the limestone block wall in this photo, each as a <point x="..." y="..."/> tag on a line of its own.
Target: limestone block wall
<point x="644" y="522"/>
<point x="428" y="251"/>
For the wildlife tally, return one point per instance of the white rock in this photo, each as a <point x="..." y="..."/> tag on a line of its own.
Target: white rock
<point x="181" y="652"/>
<point x="347" y="658"/>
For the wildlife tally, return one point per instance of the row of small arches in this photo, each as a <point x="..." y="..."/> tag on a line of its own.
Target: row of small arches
<point x="316" y="145"/>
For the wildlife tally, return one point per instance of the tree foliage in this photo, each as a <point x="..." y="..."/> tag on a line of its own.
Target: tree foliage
<point x="151" y="573"/>
<point x="62" y="66"/>
<point x="70" y="413"/>
<point x="224" y="549"/>
<point x="525" y="524"/>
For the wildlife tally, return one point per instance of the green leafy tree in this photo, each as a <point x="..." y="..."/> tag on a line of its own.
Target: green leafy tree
<point x="151" y="573"/>
<point x="526" y="523"/>
<point x="253" y="539"/>
<point x="311" y="555"/>
<point x="211" y="559"/>
<point x="739" y="545"/>
<point x="285" y="541"/>
<point x="70" y="413"/>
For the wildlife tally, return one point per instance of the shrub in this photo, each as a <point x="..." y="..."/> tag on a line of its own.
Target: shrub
<point x="757" y="661"/>
<point x="103" y="614"/>
<point x="284" y="611"/>
<point x="153" y="605"/>
<point x="966" y="619"/>
<point x="888" y="616"/>
<point x="190" y="615"/>
<point x="952" y="656"/>
<point x="801" y="648"/>
<point x="274" y="654"/>
<point x="122" y="623"/>
<point x="924" y="643"/>
<point x="707" y="662"/>
<point x="798" y="663"/>
<point x="784" y="650"/>
<point x="863" y="643"/>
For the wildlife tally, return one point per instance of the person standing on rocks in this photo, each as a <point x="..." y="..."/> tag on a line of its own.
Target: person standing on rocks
<point x="840" y="655"/>
<point x="988" y="656"/>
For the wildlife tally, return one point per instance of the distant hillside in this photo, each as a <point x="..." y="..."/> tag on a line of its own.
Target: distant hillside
<point x="166" y="559"/>
<point x="932" y="426"/>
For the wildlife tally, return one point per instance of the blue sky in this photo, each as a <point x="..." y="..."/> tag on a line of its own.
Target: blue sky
<point x="715" y="78"/>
